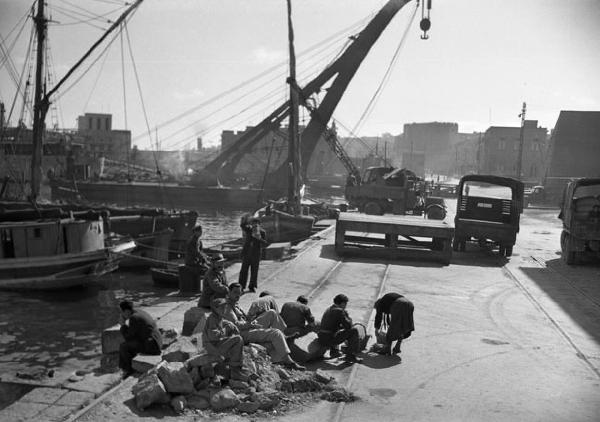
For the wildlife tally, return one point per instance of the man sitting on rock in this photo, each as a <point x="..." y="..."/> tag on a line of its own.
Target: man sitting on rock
<point x="337" y="328"/>
<point x="140" y="333"/>
<point x="215" y="282"/>
<point x="223" y="338"/>
<point x="264" y="303"/>
<point x="298" y="318"/>
<point x="265" y="318"/>
<point x="253" y="331"/>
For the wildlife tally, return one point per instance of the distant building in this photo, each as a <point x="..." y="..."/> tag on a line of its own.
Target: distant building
<point x="433" y="141"/>
<point x="574" y="149"/>
<point x="466" y="154"/>
<point x="500" y="151"/>
<point x="100" y="140"/>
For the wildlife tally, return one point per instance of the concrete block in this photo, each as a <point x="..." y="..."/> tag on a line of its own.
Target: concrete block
<point x="56" y="413"/>
<point x="22" y="411"/>
<point x="277" y="250"/>
<point x="44" y="395"/>
<point x="75" y="398"/>
<point x="142" y="363"/>
<point x="96" y="384"/>
<point x="191" y="318"/>
<point x="112" y="339"/>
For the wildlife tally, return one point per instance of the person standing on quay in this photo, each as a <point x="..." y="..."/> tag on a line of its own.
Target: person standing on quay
<point x="255" y="238"/>
<point x="140" y="333"/>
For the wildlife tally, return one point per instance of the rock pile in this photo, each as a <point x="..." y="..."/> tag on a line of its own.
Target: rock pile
<point x="189" y="379"/>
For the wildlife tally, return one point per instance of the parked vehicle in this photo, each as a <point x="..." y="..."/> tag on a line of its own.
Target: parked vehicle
<point x="580" y="214"/>
<point x="535" y="195"/>
<point x="389" y="190"/>
<point x="488" y="210"/>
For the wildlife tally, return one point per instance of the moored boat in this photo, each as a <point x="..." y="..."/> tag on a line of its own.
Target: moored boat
<point x="55" y="253"/>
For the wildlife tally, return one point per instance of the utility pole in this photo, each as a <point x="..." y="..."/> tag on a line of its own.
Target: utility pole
<point x="521" y="141"/>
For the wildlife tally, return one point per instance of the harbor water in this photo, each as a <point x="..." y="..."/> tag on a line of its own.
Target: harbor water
<point x="41" y="332"/>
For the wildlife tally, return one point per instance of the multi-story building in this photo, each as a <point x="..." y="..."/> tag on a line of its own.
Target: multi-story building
<point x="466" y="153"/>
<point x="574" y="149"/>
<point x="429" y="145"/>
<point x="500" y="151"/>
<point x="100" y="139"/>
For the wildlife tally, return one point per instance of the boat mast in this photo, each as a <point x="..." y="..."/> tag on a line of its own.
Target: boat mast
<point x="294" y="144"/>
<point x="42" y="99"/>
<point x="41" y="104"/>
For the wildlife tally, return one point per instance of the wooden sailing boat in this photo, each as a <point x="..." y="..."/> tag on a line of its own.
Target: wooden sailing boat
<point x="59" y="250"/>
<point x="283" y="220"/>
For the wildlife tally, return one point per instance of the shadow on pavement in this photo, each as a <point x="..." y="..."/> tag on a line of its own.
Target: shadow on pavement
<point x="575" y="289"/>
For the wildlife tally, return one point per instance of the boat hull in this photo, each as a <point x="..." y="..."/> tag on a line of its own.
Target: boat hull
<point x="154" y="194"/>
<point x="283" y="227"/>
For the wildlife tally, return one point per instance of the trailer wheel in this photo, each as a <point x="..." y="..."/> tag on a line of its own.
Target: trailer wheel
<point x="373" y="208"/>
<point x="435" y="212"/>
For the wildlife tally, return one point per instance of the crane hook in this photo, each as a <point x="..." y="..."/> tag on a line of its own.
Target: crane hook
<point x="425" y="19"/>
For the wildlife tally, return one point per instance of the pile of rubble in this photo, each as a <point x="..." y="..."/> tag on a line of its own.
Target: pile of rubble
<point x="190" y="379"/>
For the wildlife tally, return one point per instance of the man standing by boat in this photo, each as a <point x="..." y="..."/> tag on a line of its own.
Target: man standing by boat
<point x="195" y="259"/>
<point x="255" y="238"/>
<point x="140" y="333"/>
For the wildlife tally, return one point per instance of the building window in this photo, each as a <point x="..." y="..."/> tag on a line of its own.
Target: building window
<point x="501" y="144"/>
<point x="98" y="124"/>
<point x="90" y="125"/>
<point x="107" y="124"/>
<point x="516" y="146"/>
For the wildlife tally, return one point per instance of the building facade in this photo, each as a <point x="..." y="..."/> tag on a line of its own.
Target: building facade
<point x="99" y="138"/>
<point x="500" y="151"/>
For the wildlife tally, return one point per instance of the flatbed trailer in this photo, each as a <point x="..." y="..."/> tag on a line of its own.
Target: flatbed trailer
<point x="393" y="236"/>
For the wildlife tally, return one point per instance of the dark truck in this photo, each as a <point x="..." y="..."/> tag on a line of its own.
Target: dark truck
<point x="580" y="214"/>
<point x="488" y="210"/>
<point x="389" y="190"/>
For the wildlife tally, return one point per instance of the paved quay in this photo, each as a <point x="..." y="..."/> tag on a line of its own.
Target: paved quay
<point x="495" y="340"/>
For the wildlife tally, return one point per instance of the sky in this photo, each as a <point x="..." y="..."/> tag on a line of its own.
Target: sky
<point x="196" y="67"/>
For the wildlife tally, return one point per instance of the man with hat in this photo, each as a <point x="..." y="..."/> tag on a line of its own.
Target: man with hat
<point x="255" y="238"/>
<point x="214" y="284"/>
<point x="223" y="338"/>
<point x="140" y="333"/>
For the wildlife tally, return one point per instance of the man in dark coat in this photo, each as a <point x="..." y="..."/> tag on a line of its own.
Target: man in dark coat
<point x="255" y="238"/>
<point x="214" y="284"/>
<point x="298" y="317"/>
<point x="337" y="328"/>
<point x="195" y="259"/>
<point x="140" y="333"/>
<point x="396" y="312"/>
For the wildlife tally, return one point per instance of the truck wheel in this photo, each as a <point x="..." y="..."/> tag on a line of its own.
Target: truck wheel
<point x="455" y="244"/>
<point x="373" y="208"/>
<point x="502" y="250"/>
<point x="509" y="250"/>
<point x="435" y="212"/>
<point x="568" y="254"/>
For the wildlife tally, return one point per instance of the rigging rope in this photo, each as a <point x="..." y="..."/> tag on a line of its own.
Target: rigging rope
<point x="386" y="76"/>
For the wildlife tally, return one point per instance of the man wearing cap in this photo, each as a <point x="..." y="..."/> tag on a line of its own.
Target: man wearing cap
<point x="140" y="333"/>
<point x="214" y="284"/>
<point x="298" y="317"/>
<point x="337" y="328"/>
<point x="396" y="312"/>
<point x="223" y="338"/>
<point x="195" y="259"/>
<point x="255" y="238"/>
